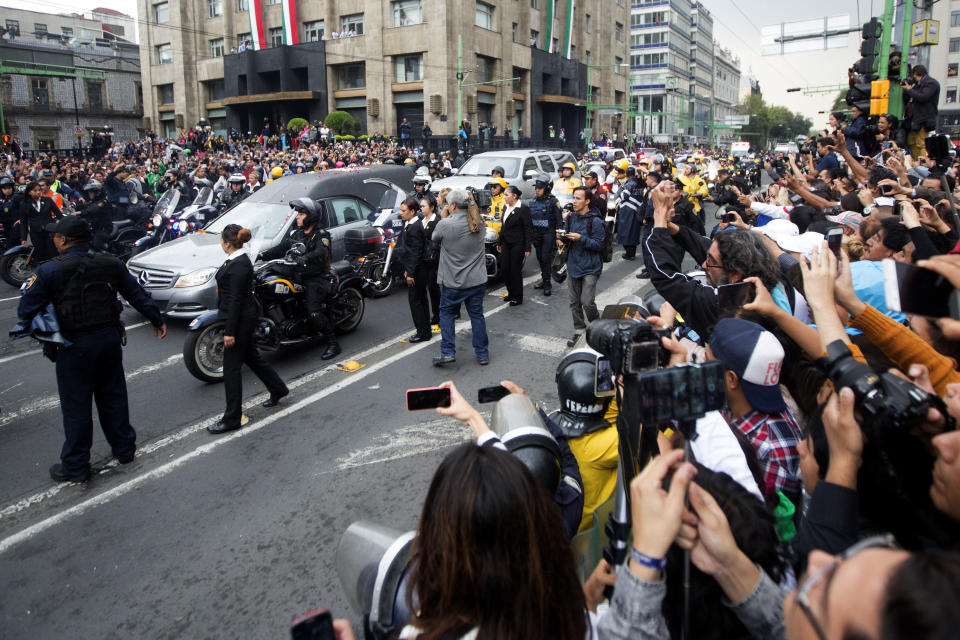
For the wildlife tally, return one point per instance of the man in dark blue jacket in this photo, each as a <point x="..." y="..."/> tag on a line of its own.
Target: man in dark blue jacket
<point x="584" y="232"/>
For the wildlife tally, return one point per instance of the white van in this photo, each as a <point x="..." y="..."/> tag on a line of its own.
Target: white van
<point x="738" y="149"/>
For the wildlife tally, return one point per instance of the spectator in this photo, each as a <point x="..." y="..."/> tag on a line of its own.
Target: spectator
<point x="584" y="233"/>
<point x="828" y="160"/>
<point x="924" y="94"/>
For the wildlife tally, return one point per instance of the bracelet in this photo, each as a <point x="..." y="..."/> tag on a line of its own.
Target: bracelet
<point x="647" y="561"/>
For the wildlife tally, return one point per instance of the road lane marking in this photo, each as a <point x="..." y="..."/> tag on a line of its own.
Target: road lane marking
<point x="545" y="345"/>
<point x="405" y="442"/>
<point x="36" y="351"/>
<point x="9" y="299"/>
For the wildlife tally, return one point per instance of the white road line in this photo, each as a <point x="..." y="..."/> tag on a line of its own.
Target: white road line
<point x="548" y="346"/>
<point x="405" y="442"/>
<point x="9" y="299"/>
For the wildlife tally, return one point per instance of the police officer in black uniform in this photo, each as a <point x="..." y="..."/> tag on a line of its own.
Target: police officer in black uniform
<point x="83" y="287"/>
<point x="546" y="218"/>
<point x="421" y="185"/>
<point x="10" y="200"/>
<point x="318" y="281"/>
<point x="235" y="192"/>
<point x="99" y="214"/>
<point x="36" y="212"/>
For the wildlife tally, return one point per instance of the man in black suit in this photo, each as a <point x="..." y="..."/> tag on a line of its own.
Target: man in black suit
<point x="924" y="94"/>
<point x="516" y="236"/>
<point x="411" y="254"/>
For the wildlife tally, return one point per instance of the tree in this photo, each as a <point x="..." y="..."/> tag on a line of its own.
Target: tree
<point x="297" y="124"/>
<point x="341" y="122"/>
<point x="771" y="122"/>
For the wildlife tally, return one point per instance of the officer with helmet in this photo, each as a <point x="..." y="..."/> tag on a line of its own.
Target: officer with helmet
<point x="546" y="217"/>
<point x="629" y="222"/>
<point x="318" y="281"/>
<point x="10" y="200"/>
<point x="567" y="183"/>
<point x="235" y="192"/>
<point x="497" y="203"/>
<point x="99" y="213"/>
<point x="589" y="424"/>
<point x="421" y="184"/>
<point x="497" y="172"/>
<point x="83" y="287"/>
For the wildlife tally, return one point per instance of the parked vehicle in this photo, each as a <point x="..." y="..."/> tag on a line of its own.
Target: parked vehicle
<point x="179" y="274"/>
<point x="282" y="311"/>
<point x="520" y="167"/>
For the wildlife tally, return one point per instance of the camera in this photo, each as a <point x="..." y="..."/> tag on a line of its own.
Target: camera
<point x="632" y="346"/>
<point x="482" y="197"/>
<point x="888" y="404"/>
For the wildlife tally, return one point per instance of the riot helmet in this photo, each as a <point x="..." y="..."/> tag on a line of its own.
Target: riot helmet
<point x="92" y="187"/>
<point x="581" y="411"/>
<point x="309" y="207"/>
<point x="544" y="182"/>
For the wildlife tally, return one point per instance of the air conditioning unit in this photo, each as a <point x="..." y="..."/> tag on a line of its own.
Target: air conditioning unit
<point x="511" y="108"/>
<point x="373" y="107"/>
<point x="471" y="104"/>
<point x="436" y="103"/>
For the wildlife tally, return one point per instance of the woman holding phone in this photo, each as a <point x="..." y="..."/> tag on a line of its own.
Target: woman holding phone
<point x="235" y="305"/>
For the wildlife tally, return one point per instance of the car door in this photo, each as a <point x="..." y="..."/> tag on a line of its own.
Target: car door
<point x="546" y="164"/>
<point x="344" y="212"/>
<point x="526" y="186"/>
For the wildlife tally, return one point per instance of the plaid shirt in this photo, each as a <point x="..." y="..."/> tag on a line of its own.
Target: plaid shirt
<point x="774" y="436"/>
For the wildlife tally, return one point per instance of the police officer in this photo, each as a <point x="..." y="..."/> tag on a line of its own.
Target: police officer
<point x="421" y="184"/>
<point x="99" y="214"/>
<point x="497" y="202"/>
<point x="83" y="287"/>
<point x="318" y="281"/>
<point x="118" y="190"/>
<point x="546" y="218"/>
<point x="235" y="192"/>
<point x="629" y="222"/>
<point x="10" y="200"/>
<point x="36" y="212"/>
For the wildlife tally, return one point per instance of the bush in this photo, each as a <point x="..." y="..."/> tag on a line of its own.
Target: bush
<point x="341" y="122"/>
<point x="297" y="124"/>
<point x="346" y="137"/>
<point x="364" y="137"/>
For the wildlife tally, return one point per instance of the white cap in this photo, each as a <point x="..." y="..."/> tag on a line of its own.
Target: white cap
<point x="803" y="244"/>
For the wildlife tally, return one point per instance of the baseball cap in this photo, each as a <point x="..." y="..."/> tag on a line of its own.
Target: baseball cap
<point x="73" y="227"/>
<point x="591" y="174"/>
<point x="778" y="228"/>
<point x="803" y="244"/>
<point x="756" y="356"/>
<point x="847" y="219"/>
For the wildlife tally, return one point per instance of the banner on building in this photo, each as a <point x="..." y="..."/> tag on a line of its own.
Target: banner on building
<point x="255" y="12"/>
<point x="568" y="32"/>
<point x="549" y="39"/>
<point x="289" y="11"/>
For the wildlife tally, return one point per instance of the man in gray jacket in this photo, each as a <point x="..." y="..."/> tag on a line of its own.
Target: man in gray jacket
<point x="462" y="276"/>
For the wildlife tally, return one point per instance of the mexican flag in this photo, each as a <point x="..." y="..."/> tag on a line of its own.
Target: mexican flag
<point x="288" y="8"/>
<point x="256" y="25"/>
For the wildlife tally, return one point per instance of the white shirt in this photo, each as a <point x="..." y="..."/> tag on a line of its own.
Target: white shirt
<point x="507" y="212"/>
<point x="426" y="221"/>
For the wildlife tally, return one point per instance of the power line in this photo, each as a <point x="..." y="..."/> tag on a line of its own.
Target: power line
<point x="747" y="18"/>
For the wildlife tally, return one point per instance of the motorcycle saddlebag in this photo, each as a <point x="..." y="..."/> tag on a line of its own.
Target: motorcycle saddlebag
<point x="362" y="241"/>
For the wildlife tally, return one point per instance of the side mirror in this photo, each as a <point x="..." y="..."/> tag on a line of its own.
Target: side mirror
<point x="531" y="174"/>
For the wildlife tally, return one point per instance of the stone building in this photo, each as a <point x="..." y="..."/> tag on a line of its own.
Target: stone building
<point x="234" y="63"/>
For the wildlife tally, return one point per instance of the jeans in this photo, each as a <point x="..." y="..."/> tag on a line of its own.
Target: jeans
<point x="472" y="298"/>
<point x="582" y="293"/>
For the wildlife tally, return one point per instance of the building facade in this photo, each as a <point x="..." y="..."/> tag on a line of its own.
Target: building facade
<point x="676" y="73"/>
<point x="103" y="25"/>
<point x="944" y="66"/>
<point x="524" y="63"/>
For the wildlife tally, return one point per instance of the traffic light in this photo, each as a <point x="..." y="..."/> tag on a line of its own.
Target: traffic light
<point x="879" y="97"/>
<point x="870" y="47"/>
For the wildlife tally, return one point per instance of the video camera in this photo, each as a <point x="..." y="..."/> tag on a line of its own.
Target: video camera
<point x="632" y="346"/>
<point x="482" y="197"/>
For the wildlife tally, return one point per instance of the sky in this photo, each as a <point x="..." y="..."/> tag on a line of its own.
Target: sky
<point x="737" y="25"/>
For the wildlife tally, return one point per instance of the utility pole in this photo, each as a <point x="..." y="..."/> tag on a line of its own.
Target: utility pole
<point x="459" y="82"/>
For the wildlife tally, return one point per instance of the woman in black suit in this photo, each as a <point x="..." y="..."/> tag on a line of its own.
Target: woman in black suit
<point x="36" y="212"/>
<point x="430" y="216"/>
<point x="410" y="253"/>
<point x="235" y="306"/>
<point x="516" y="236"/>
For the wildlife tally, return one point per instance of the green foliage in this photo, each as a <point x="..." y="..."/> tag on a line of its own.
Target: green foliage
<point x="341" y="122"/>
<point x="297" y="124"/>
<point x="346" y="137"/>
<point x="771" y="122"/>
<point x="364" y="137"/>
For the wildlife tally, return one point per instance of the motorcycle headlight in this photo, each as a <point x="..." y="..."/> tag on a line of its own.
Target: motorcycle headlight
<point x="157" y="220"/>
<point x="195" y="278"/>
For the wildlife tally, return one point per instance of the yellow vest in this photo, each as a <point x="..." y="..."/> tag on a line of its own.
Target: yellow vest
<point x="565" y="186"/>
<point x="597" y="454"/>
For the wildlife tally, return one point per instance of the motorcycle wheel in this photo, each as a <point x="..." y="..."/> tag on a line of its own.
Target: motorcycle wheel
<point x="15" y="270"/>
<point x="382" y="282"/>
<point x="203" y="353"/>
<point x="350" y="305"/>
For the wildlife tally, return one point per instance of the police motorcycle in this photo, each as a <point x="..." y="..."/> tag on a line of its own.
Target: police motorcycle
<point x="198" y="213"/>
<point x="282" y="313"/>
<point x="163" y="225"/>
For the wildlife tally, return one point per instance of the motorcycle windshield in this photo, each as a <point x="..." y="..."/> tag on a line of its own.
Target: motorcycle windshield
<point x="167" y="203"/>
<point x="203" y="198"/>
<point x="266" y="220"/>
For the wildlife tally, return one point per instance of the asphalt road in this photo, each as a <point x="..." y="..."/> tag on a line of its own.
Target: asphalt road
<point x="235" y="535"/>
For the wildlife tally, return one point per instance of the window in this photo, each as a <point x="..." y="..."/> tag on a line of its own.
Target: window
<point x="955" y="19"/>
<point x="273" y="1"/>
<point x="954" y="45"/>
<point x="513" y="32"/>
<point x="618" y="31"/>
<point x="408" y="68"/>
<point x="351" y="76"/>
<point x="344" y="210"/>
<point x="586" y="24"/>
<point x="244" y="40"/>
<point x="243" y="5"/>
<point x="951" y="95"/>
<point x="530" y="164"/>
<point x="534" y="4"/>
<point x="617" y="65"/>
<point x="164" y="53"/>
<point x="41" y="95"/>
<point x="215" y="90"/>
<point x="484" y="17"/>
<point x="161" y="13"/>
<point x="406" y="12"/>
<point x="352" y="22"/>
<point x="485" y="68"/>
<point x="586" y="59"/>
<point x="534" y="36"/>
<point x="555" y="45"/>
<point x="13" y="27"/>
<point x="215" y="8"/>
<point x="276" y="37"/>
<point x="654" y="17"/>
<point x="952" y="70"/>
<point x="95" y="96"/>
<point x="39" y="30"/>
<point x="66" y="31"/>
<point x="313" y="31"/>
<point x="164" y="94"/>
<point x="216" y="48"/>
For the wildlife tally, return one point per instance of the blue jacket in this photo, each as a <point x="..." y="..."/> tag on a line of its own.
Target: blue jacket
<point x="586" y="254"/>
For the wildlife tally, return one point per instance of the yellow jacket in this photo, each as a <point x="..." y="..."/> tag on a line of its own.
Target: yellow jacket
<point x="565" y="186"/>
<point x="597" y="454"/>
<point x="497" y="205"/>
<point x="695" y="188"/>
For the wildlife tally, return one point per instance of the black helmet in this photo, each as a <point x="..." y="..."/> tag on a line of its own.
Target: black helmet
<point x="309" y="207"/>
<point x="544" y="182"/>
<point x="202" y="183"/>
<point x="581" y="412"/>
<point x="92" y="185"/>
<point x="498" y="169"/>
<point x="237" y="178"/>
<point x="7" y="181"/>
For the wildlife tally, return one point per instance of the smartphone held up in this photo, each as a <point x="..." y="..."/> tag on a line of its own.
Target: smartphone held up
<point x="427" y="398"/>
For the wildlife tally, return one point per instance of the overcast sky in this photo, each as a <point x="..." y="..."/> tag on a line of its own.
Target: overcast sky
<point x="732" y="29"/>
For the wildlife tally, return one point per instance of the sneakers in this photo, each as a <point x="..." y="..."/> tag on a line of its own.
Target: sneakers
<point x="643" y="275"/>
<point x="443" y="361"/>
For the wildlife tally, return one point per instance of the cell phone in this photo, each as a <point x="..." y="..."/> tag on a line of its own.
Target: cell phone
<point x="734" y="296"/>
<point x="618" y="311"/>
<point x="492" y="394"/>
<point x="316" y="625"/>
<point x="428" y="398"/>
<point x="835" y="241"/>
<point x="912" y="289"/>
<point x="682" y="393"/>
<point x="727" y="218"/>
<point x="604" y="385"/>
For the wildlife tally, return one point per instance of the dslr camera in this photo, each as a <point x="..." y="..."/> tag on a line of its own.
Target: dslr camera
<point x="482" y="197"/>
<point x="888" y="404"/>
<point x="632" y="346"/>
